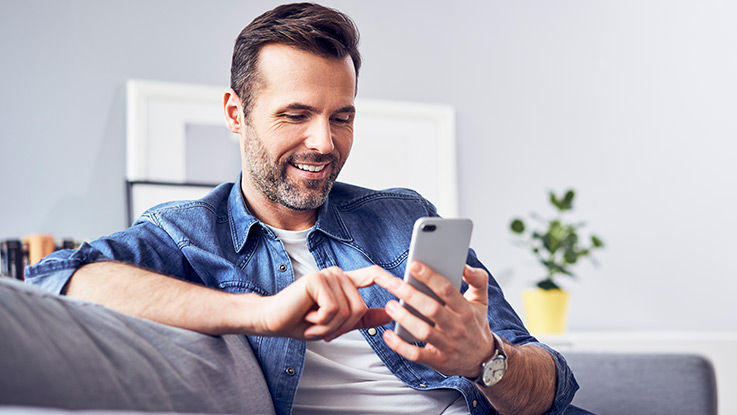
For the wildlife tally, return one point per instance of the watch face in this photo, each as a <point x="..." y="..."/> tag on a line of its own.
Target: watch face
<point x="494" y="371"/>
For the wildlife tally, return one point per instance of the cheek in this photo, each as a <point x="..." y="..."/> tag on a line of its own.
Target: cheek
<point x="343" y="141"/>
<point x="283" y="138"/>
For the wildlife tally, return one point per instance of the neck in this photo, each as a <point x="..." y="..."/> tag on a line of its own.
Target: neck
<point x="274" y="214"/>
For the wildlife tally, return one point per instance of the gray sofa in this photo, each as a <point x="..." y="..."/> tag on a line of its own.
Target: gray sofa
<point x="647" y="384"/>
<point x="61" y="353"/>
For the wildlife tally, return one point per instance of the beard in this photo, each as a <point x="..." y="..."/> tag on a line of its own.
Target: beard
<point x="270" y="176"/>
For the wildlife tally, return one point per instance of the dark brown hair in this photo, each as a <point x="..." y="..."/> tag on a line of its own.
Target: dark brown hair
<point x="306" y="26"/>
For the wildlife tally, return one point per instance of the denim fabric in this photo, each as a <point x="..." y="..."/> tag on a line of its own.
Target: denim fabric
<point x="216" y="242"/>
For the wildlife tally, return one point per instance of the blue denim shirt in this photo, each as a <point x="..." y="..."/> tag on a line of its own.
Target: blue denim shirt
<point x="216" y="242"/>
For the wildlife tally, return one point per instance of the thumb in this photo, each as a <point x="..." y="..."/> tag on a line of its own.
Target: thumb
<point x="478" y="283"/>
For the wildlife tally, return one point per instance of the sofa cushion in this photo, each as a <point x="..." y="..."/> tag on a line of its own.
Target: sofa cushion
<point x="644" y="383"/>
<point x="65" y="353"/>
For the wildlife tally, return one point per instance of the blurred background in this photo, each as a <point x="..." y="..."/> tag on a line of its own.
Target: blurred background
<point x="631" y="103"/>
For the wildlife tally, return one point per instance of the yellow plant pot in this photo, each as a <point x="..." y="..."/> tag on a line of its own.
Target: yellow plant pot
<point x="546" y="311"/>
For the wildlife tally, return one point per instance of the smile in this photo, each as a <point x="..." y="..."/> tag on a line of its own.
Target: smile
<point x="309" y="167"/>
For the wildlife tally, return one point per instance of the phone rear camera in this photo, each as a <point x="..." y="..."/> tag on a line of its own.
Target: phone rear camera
<point x="428" y="228"/>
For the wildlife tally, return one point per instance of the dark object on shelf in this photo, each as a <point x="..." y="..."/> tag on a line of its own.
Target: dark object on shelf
<point x="68" y="244"/>
<point x="11" y="259"/>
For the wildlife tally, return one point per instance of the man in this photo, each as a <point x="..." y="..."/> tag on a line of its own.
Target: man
<point x="287" y="252"/>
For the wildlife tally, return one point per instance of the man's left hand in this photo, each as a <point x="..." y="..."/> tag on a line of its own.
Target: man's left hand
<point x="460" y="339"/>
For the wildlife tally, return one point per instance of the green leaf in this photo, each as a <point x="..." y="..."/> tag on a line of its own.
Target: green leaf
<point x="555" y="226"/>
<point x="548" y="243"/>
<point x="570" y="256"/>
<point x="556" y="233"/>
<point x="517" y="226"/>
<point x="547" y="284"/>
<point x="554" y="201"/>
<point x="598" y="243"/>
<point x="571" y="239"/>
<point x="568" y="199"/>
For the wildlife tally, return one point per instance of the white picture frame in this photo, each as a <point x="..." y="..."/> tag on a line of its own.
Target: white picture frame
<point x="143" y="195"/>
<point x="396" y="144"/>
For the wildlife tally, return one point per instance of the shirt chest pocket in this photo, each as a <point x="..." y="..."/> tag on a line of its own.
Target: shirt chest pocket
<point x="259" y="275"/>
<point x="242" y="287"/>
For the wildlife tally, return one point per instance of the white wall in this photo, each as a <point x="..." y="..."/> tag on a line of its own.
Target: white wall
<point x="632" y="103"/>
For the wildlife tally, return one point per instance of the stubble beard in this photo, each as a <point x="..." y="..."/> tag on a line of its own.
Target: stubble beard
<point x="270" y="176"/>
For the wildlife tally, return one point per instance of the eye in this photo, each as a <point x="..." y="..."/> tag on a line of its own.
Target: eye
<point x="343" y="119"/>
<point x="295" y="117"/>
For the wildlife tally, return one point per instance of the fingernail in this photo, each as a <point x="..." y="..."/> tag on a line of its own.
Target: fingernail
<point x="416" y="267"/>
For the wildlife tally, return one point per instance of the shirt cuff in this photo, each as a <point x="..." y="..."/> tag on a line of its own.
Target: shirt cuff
<point x="565" y="385"/>
<point x="54" y="271"/>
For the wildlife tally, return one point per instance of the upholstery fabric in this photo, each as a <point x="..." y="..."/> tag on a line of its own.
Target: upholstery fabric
<point x="647" y="384"/>
<point x="65" y="353"/>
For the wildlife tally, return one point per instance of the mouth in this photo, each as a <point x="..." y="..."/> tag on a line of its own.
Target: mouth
<point x="313" y="168"/>
<point x="311" y="172"/>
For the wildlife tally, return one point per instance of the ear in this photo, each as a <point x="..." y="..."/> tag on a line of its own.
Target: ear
<point x="233" y="110"/>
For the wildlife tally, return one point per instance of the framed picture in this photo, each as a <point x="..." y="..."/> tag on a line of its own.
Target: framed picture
<point x="177" y="136"/>
<point x="142" y="195"/>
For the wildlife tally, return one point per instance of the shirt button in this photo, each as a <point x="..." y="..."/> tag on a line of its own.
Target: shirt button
<point x="282" y="267"/>
<point x="475" y="403"/>
<point x="372" y="331"/>
<point x="290" y="371"/>
<point x="422" y="385"/>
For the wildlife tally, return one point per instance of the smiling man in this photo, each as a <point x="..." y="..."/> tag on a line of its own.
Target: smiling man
<point x="308" y="268"/>
<point x="296" y="135"/>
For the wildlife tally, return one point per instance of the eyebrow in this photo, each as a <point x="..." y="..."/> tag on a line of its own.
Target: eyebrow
<point x="297" y="106"/>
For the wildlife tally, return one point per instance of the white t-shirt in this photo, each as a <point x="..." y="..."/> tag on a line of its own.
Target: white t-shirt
<point x="345" y="376"/>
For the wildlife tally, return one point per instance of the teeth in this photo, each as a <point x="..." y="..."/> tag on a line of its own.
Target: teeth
<point x="308" y="167"/>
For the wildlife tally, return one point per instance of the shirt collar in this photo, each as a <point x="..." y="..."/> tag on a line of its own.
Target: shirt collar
<point x="241" y="220"/>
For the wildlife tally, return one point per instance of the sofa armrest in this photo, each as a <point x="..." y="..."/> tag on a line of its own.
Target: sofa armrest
<point x="65" y="353"/>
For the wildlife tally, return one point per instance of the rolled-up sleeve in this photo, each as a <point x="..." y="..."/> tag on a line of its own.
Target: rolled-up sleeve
<point x="145" y="244"/>
<point x="565" y="384"/>
<point x="505" y="322"/>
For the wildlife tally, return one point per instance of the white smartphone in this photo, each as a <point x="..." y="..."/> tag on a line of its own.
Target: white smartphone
<point x="441" y="244"/>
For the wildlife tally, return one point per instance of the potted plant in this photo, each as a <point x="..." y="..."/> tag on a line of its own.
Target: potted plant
<point x="557" y="246"/>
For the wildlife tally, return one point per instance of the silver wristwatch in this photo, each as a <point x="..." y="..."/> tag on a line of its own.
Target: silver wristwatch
<point x="494" y="369"/>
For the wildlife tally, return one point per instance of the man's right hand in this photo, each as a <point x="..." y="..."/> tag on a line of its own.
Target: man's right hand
<point x="321" y="305"/>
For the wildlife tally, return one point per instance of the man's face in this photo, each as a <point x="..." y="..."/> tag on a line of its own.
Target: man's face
<point x="299" y="130"/>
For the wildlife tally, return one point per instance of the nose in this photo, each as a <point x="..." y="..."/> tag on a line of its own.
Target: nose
<point x="320" y="137"/>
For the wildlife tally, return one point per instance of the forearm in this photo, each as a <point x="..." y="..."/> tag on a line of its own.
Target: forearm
<point x="528" y="386"/>
<point x="142" y="293"/>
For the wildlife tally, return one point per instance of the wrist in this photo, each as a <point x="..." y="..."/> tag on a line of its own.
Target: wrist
<point x="495" y="366"/>
<point x="243" y="316"/>
<point x="489" y="348"/>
